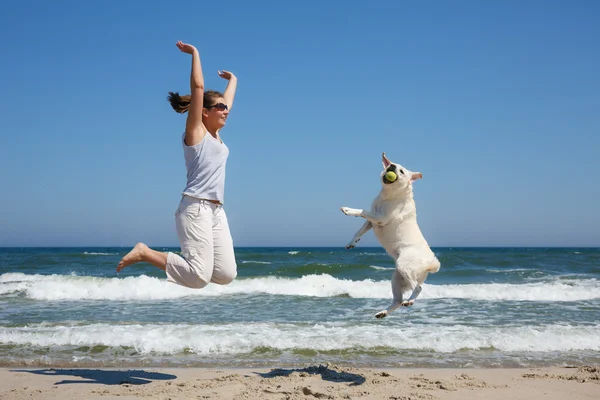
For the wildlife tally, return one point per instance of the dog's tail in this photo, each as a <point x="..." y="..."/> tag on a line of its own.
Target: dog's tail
<point x="434" y="266"/>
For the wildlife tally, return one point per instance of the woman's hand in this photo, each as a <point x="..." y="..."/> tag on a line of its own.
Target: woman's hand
<point x="226" y="75"/>
<point x="186" y="48"/>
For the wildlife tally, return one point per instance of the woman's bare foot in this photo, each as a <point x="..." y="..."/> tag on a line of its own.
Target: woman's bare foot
<point x="134" y="256"/>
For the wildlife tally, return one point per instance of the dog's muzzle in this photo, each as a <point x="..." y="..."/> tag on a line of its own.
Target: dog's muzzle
<point x="394" y="170"/>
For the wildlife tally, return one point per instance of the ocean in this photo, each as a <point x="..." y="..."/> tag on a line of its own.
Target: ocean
<point x="486" y="307"/>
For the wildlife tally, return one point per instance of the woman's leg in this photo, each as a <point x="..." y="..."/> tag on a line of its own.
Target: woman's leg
<point x="141" y="252"/>
<point x="193" y="220"/>
<point x="225" y="268"/>
<point x="194" y="267"/>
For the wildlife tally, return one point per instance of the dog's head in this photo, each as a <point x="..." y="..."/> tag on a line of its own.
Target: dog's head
<point x="405" y="177"/>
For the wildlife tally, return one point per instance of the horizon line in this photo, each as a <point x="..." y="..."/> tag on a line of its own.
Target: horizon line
<point x="321" y="247"/>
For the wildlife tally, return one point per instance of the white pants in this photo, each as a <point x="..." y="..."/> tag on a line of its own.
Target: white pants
<point x="206" y="245"/>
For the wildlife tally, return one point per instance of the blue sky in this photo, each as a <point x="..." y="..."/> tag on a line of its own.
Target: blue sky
<point x="496" y="103"/>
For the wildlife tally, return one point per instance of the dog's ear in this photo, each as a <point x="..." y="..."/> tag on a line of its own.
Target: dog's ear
<point x="415" y="176"/>
<point x="385" y="161"/>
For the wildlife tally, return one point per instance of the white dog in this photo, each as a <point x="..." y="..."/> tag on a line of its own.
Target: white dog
<point x="393" y="217"/>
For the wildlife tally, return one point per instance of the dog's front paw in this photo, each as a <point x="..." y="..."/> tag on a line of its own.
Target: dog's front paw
<point x="407" y="303"/>
<point x="381" y="314"/>
<point x="351" y="211"/>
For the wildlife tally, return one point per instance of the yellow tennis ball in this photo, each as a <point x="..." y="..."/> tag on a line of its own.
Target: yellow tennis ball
<point x="391" y="176"/>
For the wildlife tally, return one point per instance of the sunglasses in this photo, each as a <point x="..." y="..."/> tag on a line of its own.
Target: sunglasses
<point x="218" y="106"/>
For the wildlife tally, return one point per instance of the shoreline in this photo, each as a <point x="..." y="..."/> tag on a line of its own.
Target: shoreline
<point x="317" y="381"/>
<point x="289" y="365"/>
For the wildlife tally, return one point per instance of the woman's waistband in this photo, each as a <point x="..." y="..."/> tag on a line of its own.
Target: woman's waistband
<point x="217" y="202"/>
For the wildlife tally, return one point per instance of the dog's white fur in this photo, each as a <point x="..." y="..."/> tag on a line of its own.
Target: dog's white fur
<point x="393" y="218"/>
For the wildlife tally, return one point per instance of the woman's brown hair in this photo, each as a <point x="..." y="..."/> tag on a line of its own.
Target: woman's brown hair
<point x="181" y="104"/>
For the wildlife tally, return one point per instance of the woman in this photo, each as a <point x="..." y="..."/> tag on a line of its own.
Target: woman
<point x="202" y="228"/>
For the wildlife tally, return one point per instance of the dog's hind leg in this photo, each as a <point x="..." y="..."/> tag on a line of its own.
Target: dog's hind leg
<point x="413" y="296"/>
<point x="364" y="229"/>
<point x="411" y="283"/>
<point x="398" y="285"/>
<point x="416" y="287"/>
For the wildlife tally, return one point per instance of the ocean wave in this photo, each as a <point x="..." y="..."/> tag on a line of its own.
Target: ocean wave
<point x="381" y="268"/>
<point x="255" y="262"/>
<point x="69" y="287"/>
<point x="239" y="338"/>
<point x="502" y="271"/>
<point x="318" y="268"/>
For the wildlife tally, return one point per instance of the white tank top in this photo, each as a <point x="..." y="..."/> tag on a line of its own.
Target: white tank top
<point x="205" y="163"/>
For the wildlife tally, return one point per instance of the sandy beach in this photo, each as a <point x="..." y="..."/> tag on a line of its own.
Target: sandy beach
<point x="313" y="382"/>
